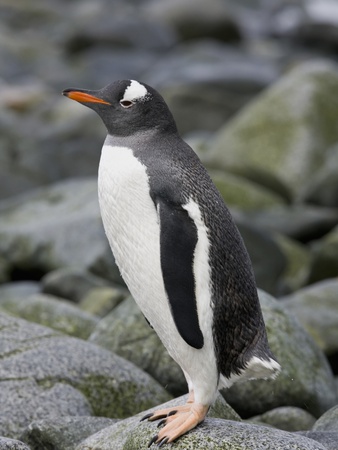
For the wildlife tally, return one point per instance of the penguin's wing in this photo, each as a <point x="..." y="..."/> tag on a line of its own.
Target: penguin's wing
<point x="178" y="239"/>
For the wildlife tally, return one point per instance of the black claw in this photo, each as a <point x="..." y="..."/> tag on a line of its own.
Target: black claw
<point x="154" y="439"/>
<point x="161" y="422"/>
<point x="163" y="441"/>
<point x="147" y="416"/>
<point x="172" y="413"/>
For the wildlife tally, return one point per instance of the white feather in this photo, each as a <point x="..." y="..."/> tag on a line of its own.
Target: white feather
<point x="132" y="227"/>
<point x="135" y="91"/>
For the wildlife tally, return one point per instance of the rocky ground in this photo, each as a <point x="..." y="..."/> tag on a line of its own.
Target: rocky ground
<point x="254" y="90"/>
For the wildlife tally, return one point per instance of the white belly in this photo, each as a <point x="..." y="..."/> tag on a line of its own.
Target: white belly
<point x="131" y="224"/>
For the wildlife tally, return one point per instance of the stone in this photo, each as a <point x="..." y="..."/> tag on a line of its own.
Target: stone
<point x="328" y="421"/>
<point x="286" y="131"/>
<point x="206" y="82"/>
<point x="288" y="418"/>
<point x="329" y="439"/>
<point x="18" y="291"/>
<point x="12" y="444"/>
<point x="298" y="264"/>
<point x="63" y="432"/>
<point x="52" y="312"/>
<point x="101" y="300"/>
<point x="72" y="283"/>
<point x="126" y="332"/>
<point x="211" y="434"/>
<point x="324" y="257"/>
<point x="316" y="308"/>
<point x="301" y="222"/>
<point x="239" y="192"/>
<point x="53" y="227"/>
<point x="40" y="368"/>
<point x="306" y="377"/>
<point x="25" y="400"/>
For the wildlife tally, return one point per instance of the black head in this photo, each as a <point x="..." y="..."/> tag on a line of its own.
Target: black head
<point x="127" y="107"/>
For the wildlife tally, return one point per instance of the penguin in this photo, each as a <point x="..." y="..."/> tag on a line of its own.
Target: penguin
<point x="178" y="250"/>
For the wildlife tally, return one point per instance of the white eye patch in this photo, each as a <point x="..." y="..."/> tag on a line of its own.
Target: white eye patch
<point x="136" y="92"/>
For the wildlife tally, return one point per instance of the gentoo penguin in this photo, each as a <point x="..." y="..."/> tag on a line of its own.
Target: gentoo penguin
<point x="178" y="250"/>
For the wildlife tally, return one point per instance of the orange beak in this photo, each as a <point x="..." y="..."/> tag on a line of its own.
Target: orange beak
<point x="83" y="97"/>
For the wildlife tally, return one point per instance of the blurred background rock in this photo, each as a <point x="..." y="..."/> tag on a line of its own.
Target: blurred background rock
<point x="253" y="86"/>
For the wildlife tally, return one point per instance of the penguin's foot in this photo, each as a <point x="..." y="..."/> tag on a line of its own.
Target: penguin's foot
<point x="177" y="421"/>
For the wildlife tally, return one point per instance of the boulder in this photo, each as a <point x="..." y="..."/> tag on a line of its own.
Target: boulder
<point x="12" y="444"/>
<point x="53" y="312"/>
<point x="53" y="227"/>
<point x="288" y="418"/>
<point x="101" y="300"/>
<point x="325" y="257"/>
<point x="328" y="421"/>
<point x="62" y="432"/>
<point x="286" y="131"/>
<point x="126" y="332"/>
<point x="305" y="379"/>
<point x="44" y="374"/>
<point x="316" y="308"/>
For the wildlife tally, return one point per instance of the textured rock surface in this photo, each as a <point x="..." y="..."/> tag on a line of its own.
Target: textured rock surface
<point x="288" y="418"/>
<point x="306" y="378"/>
<point x="37" y="361"/>
<point x="12" y="444"/>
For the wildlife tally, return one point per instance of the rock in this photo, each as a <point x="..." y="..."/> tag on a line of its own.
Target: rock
<point x="241" y="193"/>
<point x="126" y="332"/>
<point x="328" y="421"/>
<point x="214" y="22"/>
<point x="70" y="282"/>
<point x="276" y="135"/>
<point x="298" y="264"/>
<point x="329" y="439"/>
<point x="25" y="400"/>
<point x="52" y="312"/>
<point x="300" y="222"/>
<point x="18" y="291"/>
<point x="288" y="418"/>
<point x="322" y="189"/>
<point x="205" y="82"/>
<point x="101" y="300"/>
<point x="53" y="227"/>
<point x="63" y="432"/>
<point x="40" y="368"/>
<point x="268" y="261"/>
<point x="316" y="308"/>
<point x="12" y="444"/>
<point x="305" y="379"/>
<point x="211" y="434"/>
<point x="325" y="257"/>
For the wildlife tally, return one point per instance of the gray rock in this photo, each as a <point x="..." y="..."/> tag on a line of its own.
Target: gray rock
<point x="19" y="290"/>
<point x="268" y="261"/>
<point x="288" y="418"/>
<point x="126" y="332"/>
<point x="298" y="263"/>
<point x="213" y="22"/>
<point x="275" y="135"/>
<point x="26" y="399"/>
<point x="322" y="189"/>
<point x="70" y="282"/>
<point x="12" y="444"/>
<point x="239" y="192"/>
<point x="62" y="432"/>
<point x="53" y="227"/>
<point x="100" y="301"/>
<point x="52" y="312"/>
<point x="45" y="360"/>
<point x="328" y="421"/>
<point x="206" y="82"/>
<point x="316" y="308"/>
<point x="211" y="434"/>
<point x="300" y="222"/>
<point x="325" y="257"/>
<point x="329" y="439"/>
<point x="305" y="379"/>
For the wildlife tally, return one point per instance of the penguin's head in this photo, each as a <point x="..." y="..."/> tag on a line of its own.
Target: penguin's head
<point x="126" y="107"/>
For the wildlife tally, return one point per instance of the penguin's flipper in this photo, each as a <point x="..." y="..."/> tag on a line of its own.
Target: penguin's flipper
<point x="178" y="239"/>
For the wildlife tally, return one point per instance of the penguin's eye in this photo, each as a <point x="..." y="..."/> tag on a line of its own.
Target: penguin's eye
<point x="126" y="103"/>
